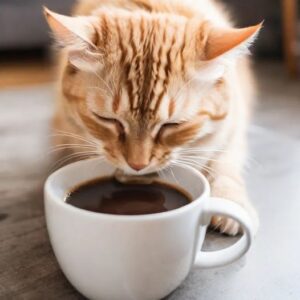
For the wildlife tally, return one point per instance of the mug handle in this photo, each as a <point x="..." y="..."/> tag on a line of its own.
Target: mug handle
<point x="223" y="207"/>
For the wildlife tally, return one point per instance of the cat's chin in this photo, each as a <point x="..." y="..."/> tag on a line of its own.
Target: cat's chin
<point x="130" y="172"/>
<point x="128" y="178"/>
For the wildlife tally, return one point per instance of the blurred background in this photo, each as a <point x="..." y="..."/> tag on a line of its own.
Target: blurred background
<point x="28" y="269"/>
<point x="24" y="34"/>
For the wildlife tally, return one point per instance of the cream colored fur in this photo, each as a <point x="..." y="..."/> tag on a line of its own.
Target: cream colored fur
<point x="212" y="100"/>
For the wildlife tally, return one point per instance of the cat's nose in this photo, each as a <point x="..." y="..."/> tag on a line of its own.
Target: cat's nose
<point x="137" y="166"/>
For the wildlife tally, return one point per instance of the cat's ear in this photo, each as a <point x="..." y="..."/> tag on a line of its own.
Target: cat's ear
<point x="218" y="41"/>
<point x="77" y="34"/>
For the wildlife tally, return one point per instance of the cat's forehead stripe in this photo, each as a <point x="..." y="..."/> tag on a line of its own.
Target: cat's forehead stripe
<point x="116" y="103"/>
<point x="147" y="73"/>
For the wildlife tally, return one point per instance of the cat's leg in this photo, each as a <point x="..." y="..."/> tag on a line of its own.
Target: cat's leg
<point x="232" y="187"/>
<point x="228" y="183"/>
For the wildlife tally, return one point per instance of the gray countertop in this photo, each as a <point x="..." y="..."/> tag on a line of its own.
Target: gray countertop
<point x="271" y="269"/>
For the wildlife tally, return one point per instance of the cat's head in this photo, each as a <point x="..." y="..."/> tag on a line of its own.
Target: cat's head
<point x="150" y="86"/>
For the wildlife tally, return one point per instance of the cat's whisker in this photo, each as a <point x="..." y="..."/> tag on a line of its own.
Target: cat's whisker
<point x="61" y="148"/>
<point x="175" y="163"/>
<point x="98" y="89"/>
<point x="205" y="161"/>
<point x="208" y="159"/>
<point x="195" y="150"/>
<point x="83" y="154"/>
<point x="71" y="155"/>
<point x="171" y="171"/>
<point x="75" y="157"/>
<point x="111" y="71"/>
<point x="86" y="142"/>
<point x="160" y="173"/>
<point x="108" y="89"/>
<point x="210" y="173"/>
<point x="100" y="158"/>
<point x="65" y="160"/>
<point x="104" y="82"/>
<point x="72" y="145"/>
<point x="183" y="87"/>
<point x="73" y="135"/>
<point x="178" y="163"/>
<point x="194" y="155"/>
<point x="198" y="165"/>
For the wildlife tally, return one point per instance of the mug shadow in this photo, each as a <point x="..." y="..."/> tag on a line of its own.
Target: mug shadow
<point x="200" y="282"/>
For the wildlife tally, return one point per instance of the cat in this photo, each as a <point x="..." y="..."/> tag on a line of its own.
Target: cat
<point x="147" y="84"/>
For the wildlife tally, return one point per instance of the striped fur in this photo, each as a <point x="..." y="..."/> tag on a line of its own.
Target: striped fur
<point x="150" y="81"/>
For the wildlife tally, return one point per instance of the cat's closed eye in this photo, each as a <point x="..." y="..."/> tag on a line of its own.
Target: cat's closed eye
<point x="170" y="125"/>
<point x="113" y="121"/>
<point x="164" y="127"/>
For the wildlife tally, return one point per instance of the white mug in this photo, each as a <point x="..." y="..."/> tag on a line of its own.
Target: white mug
<point x="142" y="257"/>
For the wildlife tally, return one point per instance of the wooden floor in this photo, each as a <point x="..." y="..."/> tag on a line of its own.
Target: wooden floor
<point x="26" y="72"/>
<point x="28" y="269"/>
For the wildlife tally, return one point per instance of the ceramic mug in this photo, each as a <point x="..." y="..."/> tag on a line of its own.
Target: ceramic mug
<point x="143" y="257"/>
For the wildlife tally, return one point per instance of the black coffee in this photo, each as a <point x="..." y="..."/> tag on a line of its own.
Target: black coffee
<point x="109" y="196"/>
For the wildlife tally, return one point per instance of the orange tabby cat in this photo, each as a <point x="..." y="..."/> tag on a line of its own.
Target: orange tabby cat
<point x="147" y="84"/>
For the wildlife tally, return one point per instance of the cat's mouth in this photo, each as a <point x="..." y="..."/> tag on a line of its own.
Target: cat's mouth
<point x="119" y="162"/>
<point x="126" y="178"/>
<point x="129" y="171"/>
<point x="126" y="169"/>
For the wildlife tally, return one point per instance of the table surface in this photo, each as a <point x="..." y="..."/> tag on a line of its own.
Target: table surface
<point x="28" y="268"/>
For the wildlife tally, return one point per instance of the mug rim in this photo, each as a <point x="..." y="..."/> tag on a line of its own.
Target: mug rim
<point x="50" y="193"/>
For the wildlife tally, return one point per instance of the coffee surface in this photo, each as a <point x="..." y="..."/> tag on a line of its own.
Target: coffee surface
<point x="109" y="196"/>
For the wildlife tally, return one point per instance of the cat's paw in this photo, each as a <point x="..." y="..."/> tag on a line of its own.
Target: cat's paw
<point x="225" y="225"/>
<point x="233" y="189"/>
